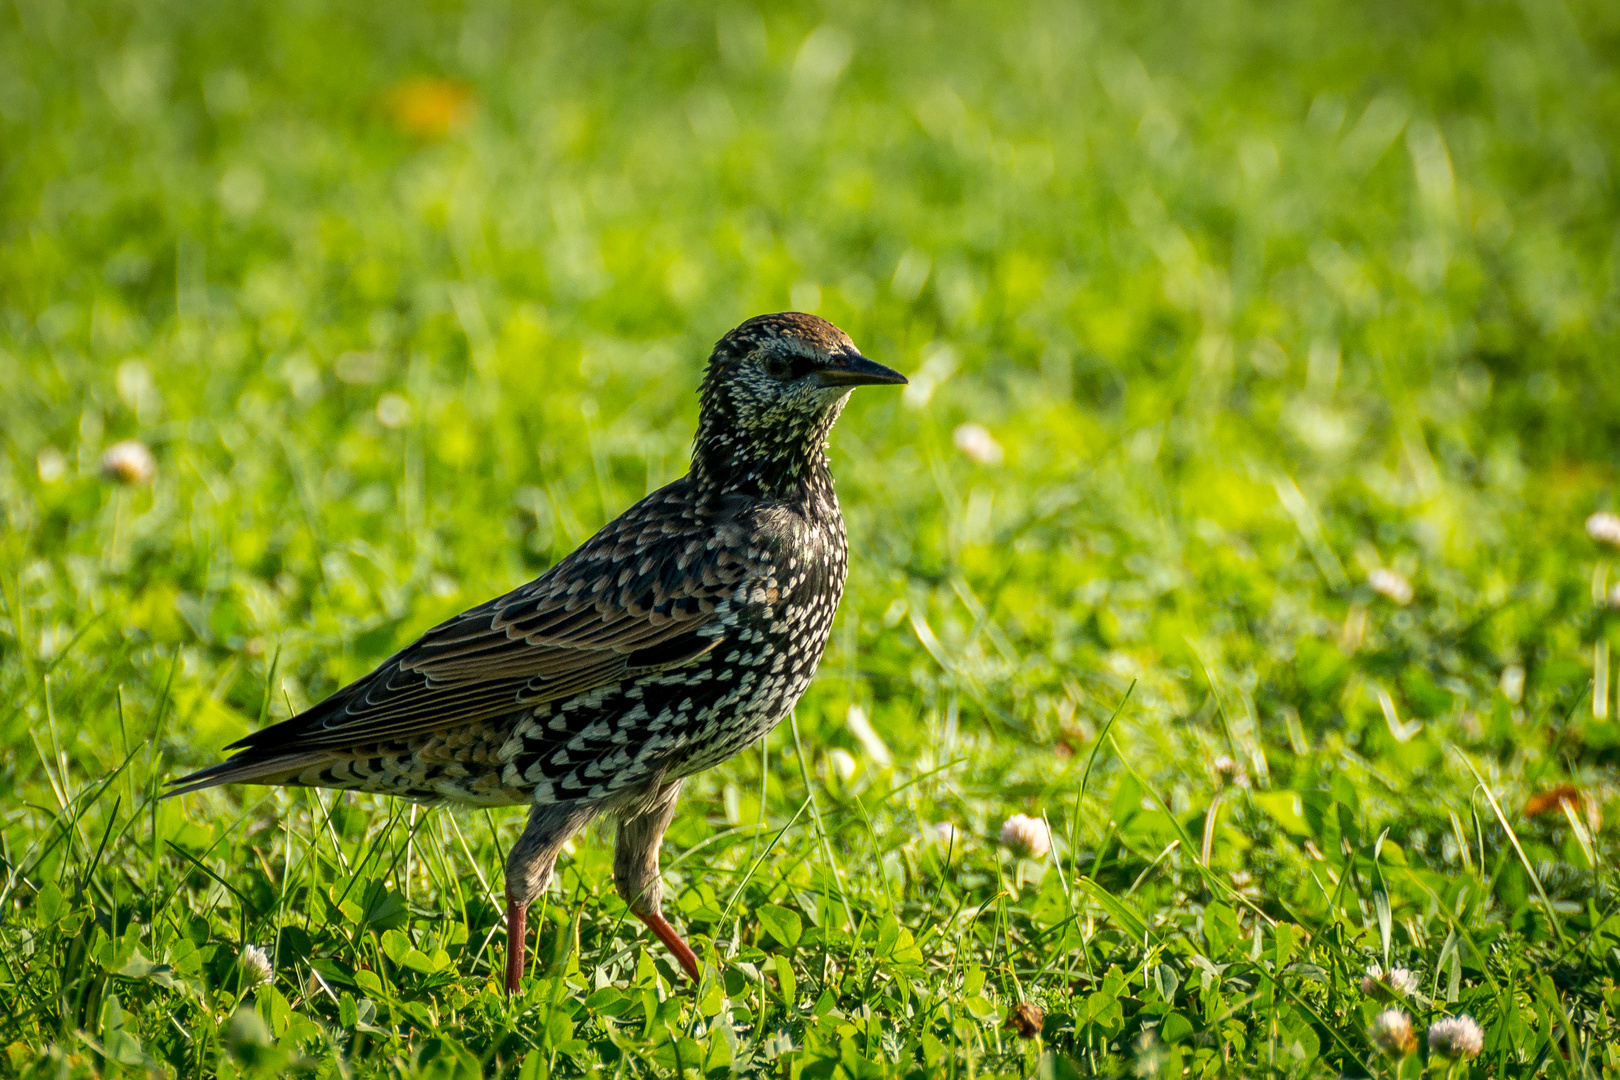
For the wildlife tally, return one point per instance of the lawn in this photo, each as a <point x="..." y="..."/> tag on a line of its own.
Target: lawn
<point x="1237" y="527"/>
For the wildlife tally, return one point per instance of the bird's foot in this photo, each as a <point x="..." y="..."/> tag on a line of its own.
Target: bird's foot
<point x="516" y="942"/>
<point x="666" y="933"/>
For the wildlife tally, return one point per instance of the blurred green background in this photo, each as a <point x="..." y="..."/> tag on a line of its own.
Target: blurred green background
<point x="1262" y="355"/>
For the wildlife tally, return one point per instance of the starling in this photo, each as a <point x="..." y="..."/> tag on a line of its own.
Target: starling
<point x="676" y="636"/>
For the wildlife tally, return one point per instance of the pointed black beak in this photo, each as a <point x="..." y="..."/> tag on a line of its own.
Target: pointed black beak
<point x="853" y="369"/>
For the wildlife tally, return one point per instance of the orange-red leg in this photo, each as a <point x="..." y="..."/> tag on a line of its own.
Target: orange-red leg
<point x="666" y="933"/>
<point x="516" y="942"/>
<point x="528" y="871"/>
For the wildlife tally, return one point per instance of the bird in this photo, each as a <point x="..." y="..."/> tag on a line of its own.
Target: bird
<point x="678" y="635"/>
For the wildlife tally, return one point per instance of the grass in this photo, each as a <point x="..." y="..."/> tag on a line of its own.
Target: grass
<point x="1266" y="309"/>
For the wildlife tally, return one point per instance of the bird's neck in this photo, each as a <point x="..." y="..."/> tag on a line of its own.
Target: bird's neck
<point x="788" y="461"/>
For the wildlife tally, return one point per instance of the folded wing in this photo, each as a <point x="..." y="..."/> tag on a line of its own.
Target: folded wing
<point x="631" y="600"/>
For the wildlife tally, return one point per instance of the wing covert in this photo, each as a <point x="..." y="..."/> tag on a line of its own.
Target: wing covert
<point x="577" y="627"/>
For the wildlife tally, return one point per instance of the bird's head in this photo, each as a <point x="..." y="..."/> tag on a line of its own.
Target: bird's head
<point x="775" y="370"/>
<point x="775" y="385"/>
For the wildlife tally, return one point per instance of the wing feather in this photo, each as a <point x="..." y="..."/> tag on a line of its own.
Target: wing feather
<point x="637" y="597"/>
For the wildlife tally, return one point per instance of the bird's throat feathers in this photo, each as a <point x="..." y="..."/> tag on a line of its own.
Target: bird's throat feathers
<point x="754" y="439"/>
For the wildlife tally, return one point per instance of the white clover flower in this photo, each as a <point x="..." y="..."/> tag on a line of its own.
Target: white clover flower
<point x="1151" y="1054"/>
<point x="976" y="442"/>
<point x="1456" y="1037"/>
<point x="841" y="763"/>
<point x="1026" y="837"/>
<point x="1391" y="1032"/>
<point x="1390" y="585"/>
<point x="128" y="462"/>
<point x="1512" y="683"/>
<point x="945" y="834"/>
<point x="1396" y="982"/>
<point x="255" y="965"/>
<point x="393" y="411"/>
<point x="1228" y="771"/>
<point x="1604" y="528"/>
<point x="51" y="465"/>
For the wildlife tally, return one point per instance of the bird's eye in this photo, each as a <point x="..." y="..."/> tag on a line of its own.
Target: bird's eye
<point x="778" y="367"/>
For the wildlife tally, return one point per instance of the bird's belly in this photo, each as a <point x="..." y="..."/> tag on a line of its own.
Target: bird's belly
<point x="775" y="662"/>
<point x="668" y="724"/>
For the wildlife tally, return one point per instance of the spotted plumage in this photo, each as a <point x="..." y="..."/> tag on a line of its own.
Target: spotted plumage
<point x="669" y="641"/>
